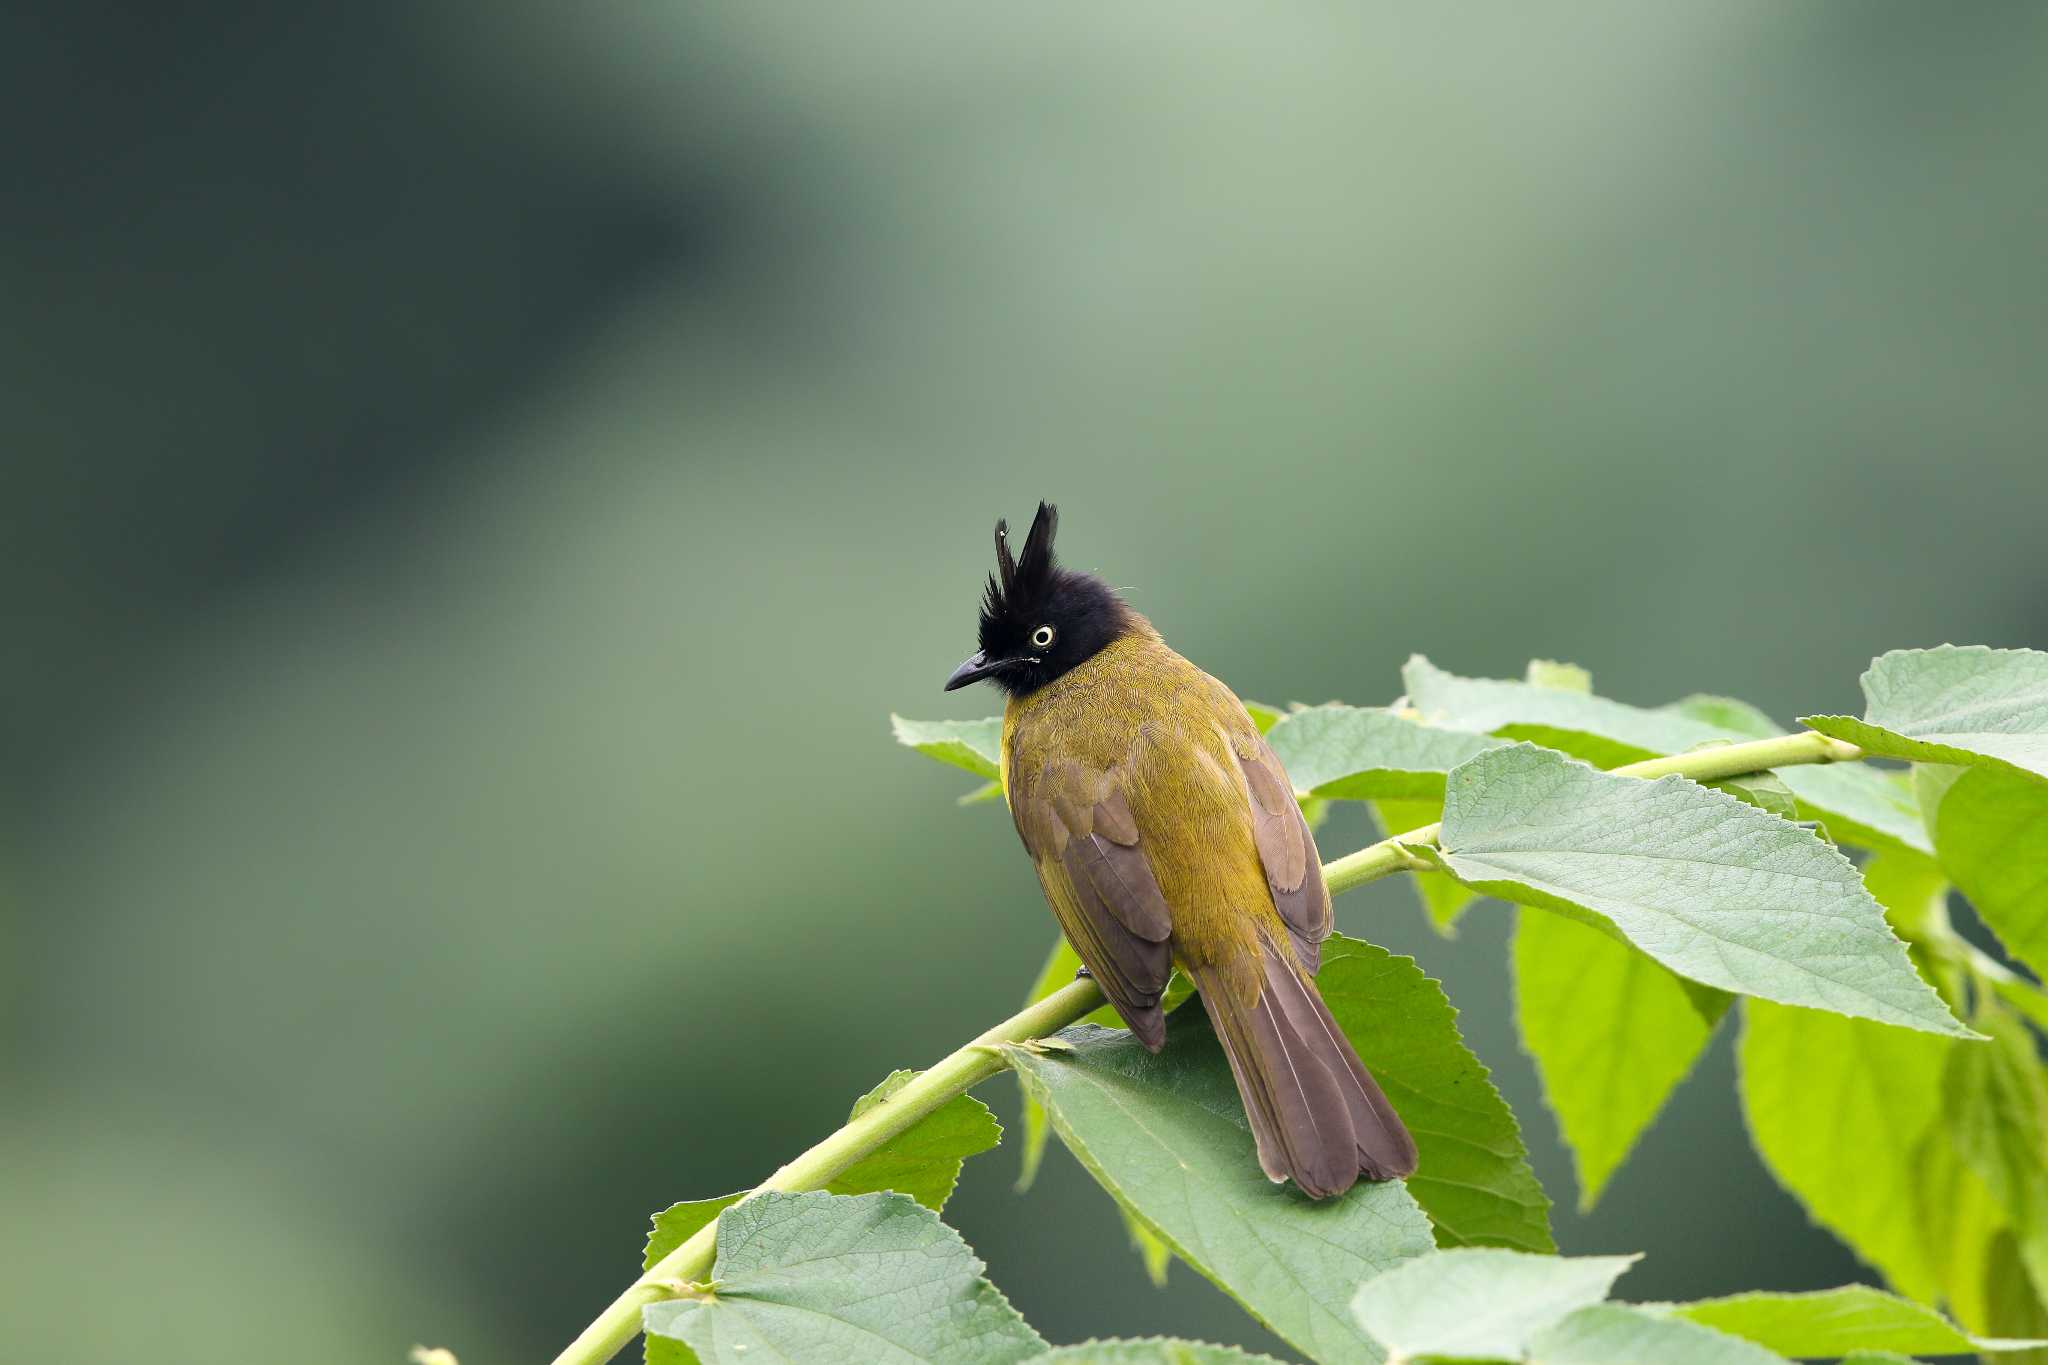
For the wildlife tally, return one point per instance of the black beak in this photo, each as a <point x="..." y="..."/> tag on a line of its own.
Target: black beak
<point x="977" y="667"/>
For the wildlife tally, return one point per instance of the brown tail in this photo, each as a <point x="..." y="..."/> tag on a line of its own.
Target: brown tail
<point x="1319" y="1117"/>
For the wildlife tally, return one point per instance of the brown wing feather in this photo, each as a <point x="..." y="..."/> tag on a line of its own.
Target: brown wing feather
<point x="1287" y="850"/>
<point x="1077" y="824"/>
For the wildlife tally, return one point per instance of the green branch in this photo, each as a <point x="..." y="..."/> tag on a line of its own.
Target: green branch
<point x="682" y="1270"/>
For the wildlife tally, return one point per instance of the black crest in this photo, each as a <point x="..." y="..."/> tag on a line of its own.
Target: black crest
<point x="1018" y="584"/>
<point x="1030" y="596"/>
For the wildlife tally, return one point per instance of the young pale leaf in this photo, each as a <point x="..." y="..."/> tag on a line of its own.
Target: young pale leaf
<point x="1996" y="1105"/>
<point x="1444" y="898"/>
<point x="1832" y="1322"/>
<point x="1563" y="677"/>
<point x="922" y="1162"/>
<point x="1474" y="1179"/>
<point x="1961" y="1220"/>
<point x="1859" y="805"/>
<point x="1166" y="1136"/>
<point x="1716" y="890"/>
<point x="1881" y="1101"/>
<point x="1149" y="1351"/>
<point x="1954" y="704"/>
<point x="874" y="1277"/>
<point x="1991" y="834"/>
<point x="1359" y="753"/>
<point x="1479" y="1304"/>
<point x="2012" y="1305"/>
<point x="1611" y="1033"/>
<point x="975" y="745"/>
<point x="1621" y="1334"/>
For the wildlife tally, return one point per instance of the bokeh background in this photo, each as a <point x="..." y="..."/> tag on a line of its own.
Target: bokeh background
<point x="477" y="477"/>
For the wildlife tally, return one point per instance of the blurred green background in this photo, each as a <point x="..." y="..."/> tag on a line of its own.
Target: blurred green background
<point x="478" y="476"/>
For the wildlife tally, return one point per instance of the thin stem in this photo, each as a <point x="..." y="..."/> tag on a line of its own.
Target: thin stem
<point x="963" y="1069"/>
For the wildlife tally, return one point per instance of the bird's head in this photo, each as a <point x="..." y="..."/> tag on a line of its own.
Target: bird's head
<point x="1037" y="619"/>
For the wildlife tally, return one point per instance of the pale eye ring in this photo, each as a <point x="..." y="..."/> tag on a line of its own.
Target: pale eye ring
<point x="1041" y="638"/>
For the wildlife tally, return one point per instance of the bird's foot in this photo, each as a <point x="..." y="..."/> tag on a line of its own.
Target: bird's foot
<point x="1083" y="974"/>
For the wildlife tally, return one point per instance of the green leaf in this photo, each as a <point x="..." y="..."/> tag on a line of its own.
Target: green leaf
<point x="1149" y="1351"/>
<point x="678" y="1223"/>
<point x="1991" y="834"/>
<point x="1263" y="716"/>
<point x="1474" y="1179"/>
<point x="982" y="795"/>
<point x="1765" y="790"/>
<point x="1832" y="1322"/>
<point x="1611" y="1032"/>
<point x="1858" y="804"/>
<point x="1717" y="891"/>
<point x="975" y="745"/>
<point x="1881" y="1099"/>
<point x="1166" y="1136"/>
<point x="1061" y="966"/>
<point x="2013" y="1306"/>
<point x="873" y="1277"/>
<point x="2026" y="997"/>
<point x="1563" y="677"/>
<point x="1960" y="1219"/>
<point x="1996" y="1105"/>
<point x="1156" y="1255"/>
<point x="1359" y="753"/>
<point x="1444" y="898"/>
<point x="1603" y="732"/>
<point x="1726" y="714"/>
<point x="1954" y="704"/>
<point x="1620" y="1334"/>
<point x="922" y="1162"/>
<point x="1479" y="1303"/>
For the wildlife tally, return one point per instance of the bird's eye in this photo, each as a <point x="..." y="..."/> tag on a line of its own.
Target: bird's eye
<point x="1041" y="638"/>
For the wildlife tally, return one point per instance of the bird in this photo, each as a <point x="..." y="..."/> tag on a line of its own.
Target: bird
<point x="1164" y="831"/>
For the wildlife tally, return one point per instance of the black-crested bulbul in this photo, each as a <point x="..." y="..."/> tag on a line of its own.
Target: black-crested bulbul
<point x="1164" y="831"/>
